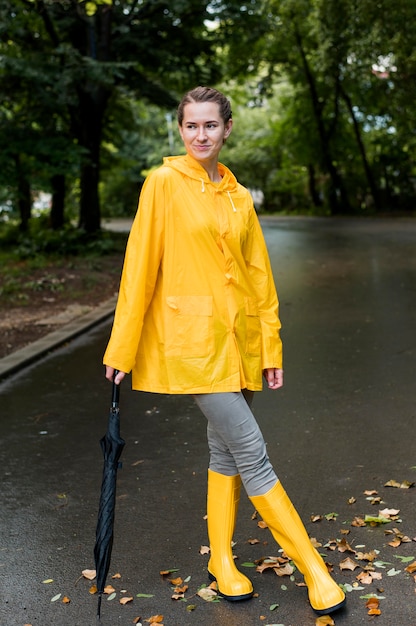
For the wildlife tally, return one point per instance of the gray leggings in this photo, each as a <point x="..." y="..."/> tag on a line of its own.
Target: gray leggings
<point x="235" y="440"/>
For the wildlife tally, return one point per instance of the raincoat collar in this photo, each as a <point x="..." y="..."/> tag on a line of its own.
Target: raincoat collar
<point x="188" y="166"/>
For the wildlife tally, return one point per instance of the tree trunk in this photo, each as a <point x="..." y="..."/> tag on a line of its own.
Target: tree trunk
<point x="57" y="216"/>
<point x="368" y="172"/>
<point x="313" y="191"/>
<point x="337" y="195"/>
<point x="24" y="199"/>
<point x="93" y="99"/>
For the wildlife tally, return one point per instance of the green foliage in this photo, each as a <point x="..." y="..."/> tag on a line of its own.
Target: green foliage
<point x="40" y="242"/>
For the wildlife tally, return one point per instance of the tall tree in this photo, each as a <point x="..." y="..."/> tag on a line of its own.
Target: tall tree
<point x="153" y="48"/>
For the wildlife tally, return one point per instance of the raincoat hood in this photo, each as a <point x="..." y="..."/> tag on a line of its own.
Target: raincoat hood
<point x="190" y="168"/>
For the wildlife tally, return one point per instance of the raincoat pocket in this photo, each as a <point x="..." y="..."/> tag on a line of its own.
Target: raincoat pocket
<point x="253" y="327"/>
<point x="189" y="326"/>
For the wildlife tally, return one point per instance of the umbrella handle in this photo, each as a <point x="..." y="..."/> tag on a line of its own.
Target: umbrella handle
<point x="115" y="396"/>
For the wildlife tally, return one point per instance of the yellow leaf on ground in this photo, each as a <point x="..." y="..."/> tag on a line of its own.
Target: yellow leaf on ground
<point x="66" y="600"/>
<point x="116" y="576"/>
<point x="89" y="574"/>
<point x="262" y="524"/>
<point x="155" y="619"/>
<point x="108" y="589"/>
<point x="176" y="581"/>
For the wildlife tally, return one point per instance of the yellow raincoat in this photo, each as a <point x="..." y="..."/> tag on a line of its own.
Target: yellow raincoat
<point x="197" y="310"/>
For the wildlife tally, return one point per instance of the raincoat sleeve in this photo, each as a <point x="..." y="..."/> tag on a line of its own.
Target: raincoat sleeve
<point x="262" y="281"/>
<point x="141" y="266"/>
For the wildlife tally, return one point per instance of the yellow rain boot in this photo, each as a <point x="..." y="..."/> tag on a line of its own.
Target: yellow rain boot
<point x="287" y="528"/>
<point x="222" y="505"/>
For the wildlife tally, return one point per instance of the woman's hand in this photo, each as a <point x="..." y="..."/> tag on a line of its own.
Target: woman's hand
<point x="109" y="374"/>
<point x="274" y="377"/>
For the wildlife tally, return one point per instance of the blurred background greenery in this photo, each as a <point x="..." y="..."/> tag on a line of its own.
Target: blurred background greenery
<point x="322" y="95"/>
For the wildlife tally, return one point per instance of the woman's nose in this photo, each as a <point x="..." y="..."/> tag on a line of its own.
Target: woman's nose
<point x="202" y="133"/>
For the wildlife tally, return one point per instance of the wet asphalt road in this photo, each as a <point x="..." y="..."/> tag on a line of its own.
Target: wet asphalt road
<point x="344" y="423"/>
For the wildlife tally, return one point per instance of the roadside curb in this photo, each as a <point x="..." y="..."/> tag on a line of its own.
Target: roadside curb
<point x="29" y="354"/>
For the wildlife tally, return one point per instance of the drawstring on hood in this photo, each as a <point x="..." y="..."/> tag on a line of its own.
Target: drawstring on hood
<point x="202" y="185"/>
<point x="232" y="203"/>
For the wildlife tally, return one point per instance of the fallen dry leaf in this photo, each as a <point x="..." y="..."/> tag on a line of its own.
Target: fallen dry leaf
<point x="89" y="574"/>
<point x="399" y="537"/>
<point x="253" y="542"/>
<point x="204" y="550"/>
<point x="370" y="492"/>
<point x="176" y="581"/>
<point x="126" y="600"/>
<point x="366" y="578"/>
<point x="348" y="563"/>
<point x="316" y="518"/>
<point x="366" y="556"/>
<point x="93" y="589"/>
<point x="405" y="484"/>
<point x="109" y="589"/>
<point x="392" y="514"/>
<point x="262" y="524"/>
<point x="344" y="546"/>
<point x="284" y="570"/>
<point x="66" y="600"/>
<point x="315" y="543"/>
<point x="372" y="605"/>
<point x="207" y="594"/>
<point x="324" y="620"/>
<point x="155" y="619"/>
<point x="411" y="568"/>
<point x="352" y="500"/>
<point x="116" y="576"/>
<point x="376" y="500"/>
<point x="358" y="521"/>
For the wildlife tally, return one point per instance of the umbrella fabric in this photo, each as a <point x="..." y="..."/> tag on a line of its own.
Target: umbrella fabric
<point x="112" y="445"/>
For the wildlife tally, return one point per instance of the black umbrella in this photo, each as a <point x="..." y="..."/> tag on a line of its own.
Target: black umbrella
<point x="112" y="446"/>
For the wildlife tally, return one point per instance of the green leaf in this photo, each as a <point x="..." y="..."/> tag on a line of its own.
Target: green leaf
<point x="381" y="564"/>
<point x="144" y="595"/>
<point x="248" y="564"/>
<point x="111" y="596"/>
<point x="393" y="572"/>
<point x="404" y="559"/>
<point x="372" y="595"/>
<point x="55" y="598"/>
<point x="376" y="520"/>
<point x="273" y="607"/>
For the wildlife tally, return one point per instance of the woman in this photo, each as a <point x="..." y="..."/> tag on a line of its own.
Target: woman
<point x="197" y="314"/>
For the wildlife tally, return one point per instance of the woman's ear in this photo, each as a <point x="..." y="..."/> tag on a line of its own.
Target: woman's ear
<point x="228" y="128"/>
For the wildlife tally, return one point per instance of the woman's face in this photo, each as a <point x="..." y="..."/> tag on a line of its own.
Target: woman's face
<point x="203" y="130"/>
